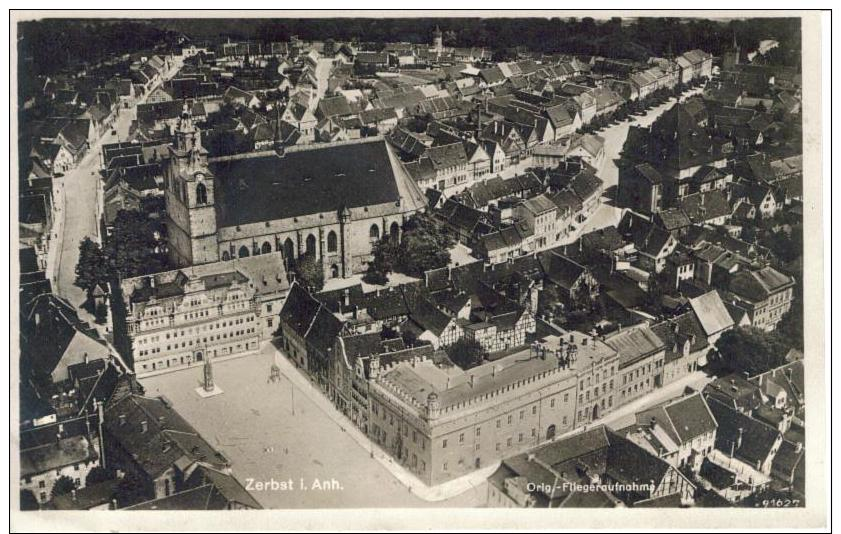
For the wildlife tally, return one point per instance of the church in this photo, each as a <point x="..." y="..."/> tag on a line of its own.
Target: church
<point x="332" y="201"/>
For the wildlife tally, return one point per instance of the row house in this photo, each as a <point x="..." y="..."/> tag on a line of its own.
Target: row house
<point x="765" y="294"/>
<point x="681" y="432"/>
<point x="551" y="476"/>
<point x="641" y="361"/>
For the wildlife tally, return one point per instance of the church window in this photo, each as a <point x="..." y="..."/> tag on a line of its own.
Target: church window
<point x="310" y="244"/>
<point x="331" y="242"/>
<point x="201" y="194"/>
<point x="243" y="252"/>
<point x="374" y="232"/>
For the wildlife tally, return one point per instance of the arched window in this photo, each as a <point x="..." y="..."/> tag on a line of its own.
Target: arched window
<point x="288" y="249"/>
<point x="266" y="247"/>
<point x="332" y="242"/>
<point x="201" y="194"/>
<point x="394" y="231"/>
<point x="334" y="271"/>
<point x="310" y="244"/>
<point x="226" y="256"/>
<point x="243" y="252"/>
<point x="375" y="232"/>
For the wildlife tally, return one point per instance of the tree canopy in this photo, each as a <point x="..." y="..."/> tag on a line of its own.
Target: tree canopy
<point x="423" y="246"/>
<point x="310" y="271"/>
<point x="92" y="268"/>
<point x="63" y="486"/>
<point x="133" y="249"/>
<point x="466" y="353"/>
<point x="749" y="350"/>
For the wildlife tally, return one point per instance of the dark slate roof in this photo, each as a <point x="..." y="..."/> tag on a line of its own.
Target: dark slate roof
<point x="428" y="317"/>
<point x="757" y="438"/>
<point x="788" y="457"/>
<point x="628" y="463"/>
<point x="299" y="309"/>
<point x="269" y="187"/>
<point x="561" y="270"/>
<point x="325" y="328"/>
<point x="690" y="417"/>
<point x="675" y="332"/>
<point x="168" y="437"/>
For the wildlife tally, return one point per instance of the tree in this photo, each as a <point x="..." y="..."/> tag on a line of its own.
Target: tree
<point x="99" y="474"/>
<point x="63" y="486"/>
<point x="749" y="350"/>
<point x="310" y="271"/>
<point x="791" y="326"/>
<point x="135" y="248"/>
<point x="131" y="490"/>
<point x="386" y="253"/>
<point x="466" y="353"/>
<point x="424" y="246"/>
<point x="92" y="269"/>
<point x="28" y="502"/>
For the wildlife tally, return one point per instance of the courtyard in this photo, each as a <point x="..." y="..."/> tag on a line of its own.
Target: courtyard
<point x="282" y="445"/>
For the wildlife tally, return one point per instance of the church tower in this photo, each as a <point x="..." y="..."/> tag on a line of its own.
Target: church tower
<point x="438" y="41"/>
<point x="731" y="57"/>
<point x="189" y="196"/>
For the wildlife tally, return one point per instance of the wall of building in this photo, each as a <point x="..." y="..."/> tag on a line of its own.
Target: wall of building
<point x="640" y="378"/>
<point x="479" y="435"/>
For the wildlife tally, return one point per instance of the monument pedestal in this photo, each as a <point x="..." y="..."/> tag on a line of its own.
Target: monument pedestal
<point x="204" y="393"/>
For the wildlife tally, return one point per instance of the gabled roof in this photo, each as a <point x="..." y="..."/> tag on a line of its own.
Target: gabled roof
<point x="308" y="180"/>
<point x="750" y="440"/>
<point x="711" y="312"/>
<point x="757" y="286"/>
<point x="634" y="344"/>
<point x="156" y="436"/>
<point x="299" y="310"/>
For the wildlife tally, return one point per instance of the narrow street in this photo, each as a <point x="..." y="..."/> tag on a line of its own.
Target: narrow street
<point x="322" y="74"/>
<point x="78" y="219"/>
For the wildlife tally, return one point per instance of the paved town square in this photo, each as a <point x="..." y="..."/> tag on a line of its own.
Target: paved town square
<point x="271" y="430"/>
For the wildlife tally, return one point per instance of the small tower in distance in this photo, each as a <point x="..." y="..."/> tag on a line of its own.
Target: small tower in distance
<point x="730" y="58"/>
<point x="438" y="41"/>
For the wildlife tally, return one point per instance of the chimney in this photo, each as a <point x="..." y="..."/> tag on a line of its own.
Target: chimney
<point x="122" y="419"/>
<point x="144" y="426"/>
<point x="73" y="494"/>
<point x="739" y="438"/>
<point x="652" y="422"/>
<point x="346" y="298"/>
<point x="86" y="358"/>
<point x="355" y="311"/>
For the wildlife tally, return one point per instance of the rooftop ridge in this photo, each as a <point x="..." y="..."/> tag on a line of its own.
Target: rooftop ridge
<point x="296" y="149"/>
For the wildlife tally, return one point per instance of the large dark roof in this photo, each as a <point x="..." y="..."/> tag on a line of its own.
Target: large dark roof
<point x="299" y="309"/>
<point x="270" y="187"/>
